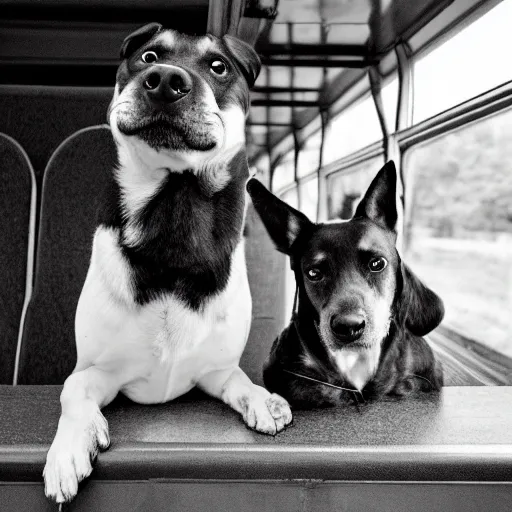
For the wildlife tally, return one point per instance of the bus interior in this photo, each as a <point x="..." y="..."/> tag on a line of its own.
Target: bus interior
<point x="345" y="86"/>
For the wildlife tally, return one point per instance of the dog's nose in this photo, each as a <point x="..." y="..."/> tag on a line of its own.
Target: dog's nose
<point x="347" y="327"/>
<point x="167" y="84"/>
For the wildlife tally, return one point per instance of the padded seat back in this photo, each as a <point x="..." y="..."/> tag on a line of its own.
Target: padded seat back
<point x="73" y="181"/>
<point x="17" y="224"/>
<point x="40" y="118"/>
<point x="266" y="271"/>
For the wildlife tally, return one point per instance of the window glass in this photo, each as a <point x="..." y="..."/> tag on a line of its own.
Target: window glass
<point x="284" y="172"/>
<point x="354" y="128"/>
<point x="307" y="32"/>
<point x="459" y="227"/>
<point x="345" y="189"/>
<point x="343" y="33"/>
<point x="309" y="155"/>
<point x="308" y="192"/>
<point x="279" y="33"/>
<point x="261" y="169"/>
<point x="291" y="197"/>
<point x="390" y="101"/>
<point x="472" y="62"/>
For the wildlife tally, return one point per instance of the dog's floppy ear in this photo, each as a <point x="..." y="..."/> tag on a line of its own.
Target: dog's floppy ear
<point x="245" y="58"/>
<point x="283" y="223"/>
<point x="420" y="310"/>
<point x="379" y="202"/>
<point x="136" y="39"/>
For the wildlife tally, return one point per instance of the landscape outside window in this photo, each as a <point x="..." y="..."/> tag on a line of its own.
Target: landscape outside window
<point x="459" y="233"/>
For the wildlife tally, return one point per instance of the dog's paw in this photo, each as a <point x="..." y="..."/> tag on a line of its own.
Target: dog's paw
<point x="280" y="410"/>
<point x="267" y="414"/>
<point x="71" y="455"/>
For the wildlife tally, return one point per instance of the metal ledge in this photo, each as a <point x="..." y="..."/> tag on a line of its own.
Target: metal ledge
<point x="463" y="434"/>
<point x="144" y="461"/>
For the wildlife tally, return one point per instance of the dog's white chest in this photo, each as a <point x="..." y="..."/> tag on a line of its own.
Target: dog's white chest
<point x="357" y="366"/>
<point x="187" y="346"/>
<point x="162" y="349"/>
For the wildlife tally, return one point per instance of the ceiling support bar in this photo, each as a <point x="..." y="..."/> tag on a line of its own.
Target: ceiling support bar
<point x="321" y="197"/>
<point x="277" y="125"/>
<point x="298" y="49"/>
<point x="297" y="145"/>
<point x="283" y="103"/>
<point x="376" y="90"/>
<point x="272" y="90"/>
<point x="318" y="63"/>
<point x="404" y="113"/>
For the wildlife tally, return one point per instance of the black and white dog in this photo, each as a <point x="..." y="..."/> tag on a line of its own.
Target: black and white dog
<point x="166" y="303"/>
<point x="361" y="311"/>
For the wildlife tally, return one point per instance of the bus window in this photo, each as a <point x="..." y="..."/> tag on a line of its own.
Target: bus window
<point x="459" y="226"/>
<point x="352" y="129"/>
<point x="470" y="63"/>
<point x="284" y="173"/>
<point x="345" y="188"/>
<point x="308" y="193"/>
<point x="389" y="101"/>
<point x="358" y="126"/>
<point x="309" y="155"/>
<point x="291" y="197"/>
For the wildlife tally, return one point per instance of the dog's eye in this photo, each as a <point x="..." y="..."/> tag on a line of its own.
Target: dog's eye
<point x="314" y="274"/>
<point x="377" y="264"/>
<point x="149" y="57"/>
<point x="218" y="67"/>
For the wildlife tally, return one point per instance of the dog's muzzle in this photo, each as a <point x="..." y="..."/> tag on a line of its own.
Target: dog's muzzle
<point x="169" y="108"/>
<point x="166" y="84"/>
<point x="347" y="327"/>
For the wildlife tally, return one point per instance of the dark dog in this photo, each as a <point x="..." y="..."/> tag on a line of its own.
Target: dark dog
<point x="361" y="311"/>
<point x="166" y="304"/>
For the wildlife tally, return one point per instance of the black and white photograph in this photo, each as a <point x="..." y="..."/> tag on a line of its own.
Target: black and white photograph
<point x="255" y="256"/>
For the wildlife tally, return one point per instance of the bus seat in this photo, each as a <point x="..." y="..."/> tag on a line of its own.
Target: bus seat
<point x="41" y="117"/>
<point x="265" y="268"/>
<point x="73" y="179"/>
<point x="17" y="224"/>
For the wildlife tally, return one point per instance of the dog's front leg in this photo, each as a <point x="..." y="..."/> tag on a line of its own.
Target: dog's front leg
<point x="261" y="410"/>
<point x="81" y="432"/>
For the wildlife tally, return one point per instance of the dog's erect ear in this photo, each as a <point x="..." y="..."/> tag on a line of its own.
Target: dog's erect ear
<point x="379" y="202"/>
<point x="245" y="57"/>
<point x="136" y="39"/>
<point x="420" y="310"/>
<point x="283" y="223"/>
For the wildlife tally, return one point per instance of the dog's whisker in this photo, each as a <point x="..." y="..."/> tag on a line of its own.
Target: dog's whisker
<point x="325" y="383"/>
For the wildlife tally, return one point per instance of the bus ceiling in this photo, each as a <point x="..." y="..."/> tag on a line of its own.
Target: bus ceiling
<point x="313" y="51"/>
<point x="318" y="50"/>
